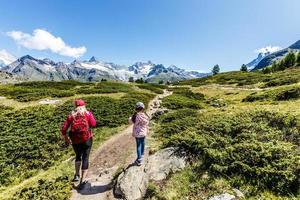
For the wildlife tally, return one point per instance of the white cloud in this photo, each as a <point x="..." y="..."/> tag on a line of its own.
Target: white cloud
<point x="43" y="40"/>
<point x="6" y="57"/>
<point x="266" y="49"/>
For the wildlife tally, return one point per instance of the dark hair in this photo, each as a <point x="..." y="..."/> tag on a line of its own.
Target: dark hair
<point x="133" y="118"/>
<point x="139" y="109"/>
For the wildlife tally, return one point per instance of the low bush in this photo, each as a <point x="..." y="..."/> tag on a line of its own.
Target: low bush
<point x="260" y="147"/>
<point x="176" y="122"/>
<point x="60" y="190"/>
<point x="278" y="94"/>
<point x="105" y="87"/>
<point x="286" y="77"/>
<point x="186" y="92"/>
<point x="178" y="102"/>
<point x="156" y="88"/>
<point x="183" y="97"/>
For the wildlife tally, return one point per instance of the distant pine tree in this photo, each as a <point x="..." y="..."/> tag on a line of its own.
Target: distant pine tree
<point x="131" y="80"/>
<point x="289" y="60"/>
<point x="281" y="65"/>
<point x="140" y="80"/>
<point x="267" y="70"/>
<point x="274" y="67"/>
<point x="298" y="59"/>
<point x="244" y="68"/>
<point x="216" y="69"/>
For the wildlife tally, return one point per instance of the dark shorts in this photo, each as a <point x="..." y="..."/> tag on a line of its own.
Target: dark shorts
<point x="82" y="151"/>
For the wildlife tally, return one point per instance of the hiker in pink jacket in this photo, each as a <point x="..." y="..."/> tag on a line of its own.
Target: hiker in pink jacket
<point x="140" y="130"/>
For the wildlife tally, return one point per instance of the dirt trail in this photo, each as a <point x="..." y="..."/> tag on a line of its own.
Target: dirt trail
<point x="115" y="154"/>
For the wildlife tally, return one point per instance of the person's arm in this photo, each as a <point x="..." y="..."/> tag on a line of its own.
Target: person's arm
<point x="65" y="128"/>
<point x="92" y="120"/>
<point x="130" y="120"/>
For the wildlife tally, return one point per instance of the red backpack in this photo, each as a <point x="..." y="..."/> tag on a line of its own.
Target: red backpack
<point x="80" y="129"/>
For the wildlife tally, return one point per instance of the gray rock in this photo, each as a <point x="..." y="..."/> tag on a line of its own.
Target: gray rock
<point x="132" y="184"/>
<point x="224" y="196"/>
<point x="164" y="162"/>
<point x="238" y="193"/>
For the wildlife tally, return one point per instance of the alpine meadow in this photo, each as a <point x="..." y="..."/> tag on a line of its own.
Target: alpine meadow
<point x="154" y="100"/>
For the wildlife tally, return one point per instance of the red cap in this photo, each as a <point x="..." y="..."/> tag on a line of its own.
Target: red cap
<point x="79" y="102"/>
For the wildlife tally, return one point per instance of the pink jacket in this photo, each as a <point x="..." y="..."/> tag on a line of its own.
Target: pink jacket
<point x="141" y="125"/>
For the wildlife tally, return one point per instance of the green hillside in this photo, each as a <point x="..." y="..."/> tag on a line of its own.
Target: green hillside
<point x="243" y="133"/>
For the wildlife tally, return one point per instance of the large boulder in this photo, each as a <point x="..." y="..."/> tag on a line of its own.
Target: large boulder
<point x="132" y="183"/>
<point x="164" y="162"/>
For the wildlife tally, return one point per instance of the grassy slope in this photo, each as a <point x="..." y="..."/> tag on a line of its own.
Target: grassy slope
<point x="224" y="96"/>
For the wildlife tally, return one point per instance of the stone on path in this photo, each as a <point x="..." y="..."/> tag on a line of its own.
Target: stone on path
<point x="164" y="162"/>
<point x="224" y="196"/>
<point x="132" y="184"/>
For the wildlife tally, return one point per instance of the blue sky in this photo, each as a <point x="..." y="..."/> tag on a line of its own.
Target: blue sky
<point x="192" y="34"/>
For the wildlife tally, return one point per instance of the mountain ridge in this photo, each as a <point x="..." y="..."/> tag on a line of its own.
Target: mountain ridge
<point x="30" y="68"/>
<point x="275" y="56"/>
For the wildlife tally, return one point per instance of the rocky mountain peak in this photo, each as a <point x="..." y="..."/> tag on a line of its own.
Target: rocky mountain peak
<point x="296" y="45"/>
<point x="93" y="59"/>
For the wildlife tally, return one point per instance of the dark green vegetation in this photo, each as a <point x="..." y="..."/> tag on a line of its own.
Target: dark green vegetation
<point x="31" y="91"/>
<point x="278" y="94"/>
<point x="244" y="143"/>
<point x="156" y="88"/>
<point x="255" y="151"/>
<point x="290" y="60"/>
<point x="104" y="87"/>
<point x="30" y="137"/>
<point x="286" y="77"/>
<point x="253" y="147"/>
<point x="183" y="97"/>
<point x="58" y="187"/>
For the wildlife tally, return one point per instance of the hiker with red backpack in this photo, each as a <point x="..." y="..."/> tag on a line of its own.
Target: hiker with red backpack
<point x="79" y="122"/>
<point x="140" y="130"/>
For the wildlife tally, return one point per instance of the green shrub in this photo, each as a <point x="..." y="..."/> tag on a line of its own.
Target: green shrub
<point x="183" y="97"/>
<point x="156" y="88"/>
<point x="286" y="77"/>
<point x="176" y="122"/>
<point x="178" y="102"/>
<point x="186" y="92"/>
<point x="278" y="94"/>
<point x="260" y="147"/>
<point x="58" y="189"/>
<point x="105" y="87"/>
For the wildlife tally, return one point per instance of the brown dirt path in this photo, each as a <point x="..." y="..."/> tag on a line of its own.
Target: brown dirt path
<point x="112" y="156"/>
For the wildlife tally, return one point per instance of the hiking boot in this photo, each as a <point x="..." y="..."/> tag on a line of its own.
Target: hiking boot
<point x="138" y="162"/>
<point x="82" y="185"/>
<point x="76" y="178"/>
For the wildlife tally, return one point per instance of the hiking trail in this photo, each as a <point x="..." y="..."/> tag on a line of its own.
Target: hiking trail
<point x="112" y="156"/>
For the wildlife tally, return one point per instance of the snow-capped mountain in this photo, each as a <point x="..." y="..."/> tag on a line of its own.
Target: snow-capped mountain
<point x="251" y="65"/>
<point x="277" y="55"/>
<point x="31" y="68"/>
<point x="6" y="58"/>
